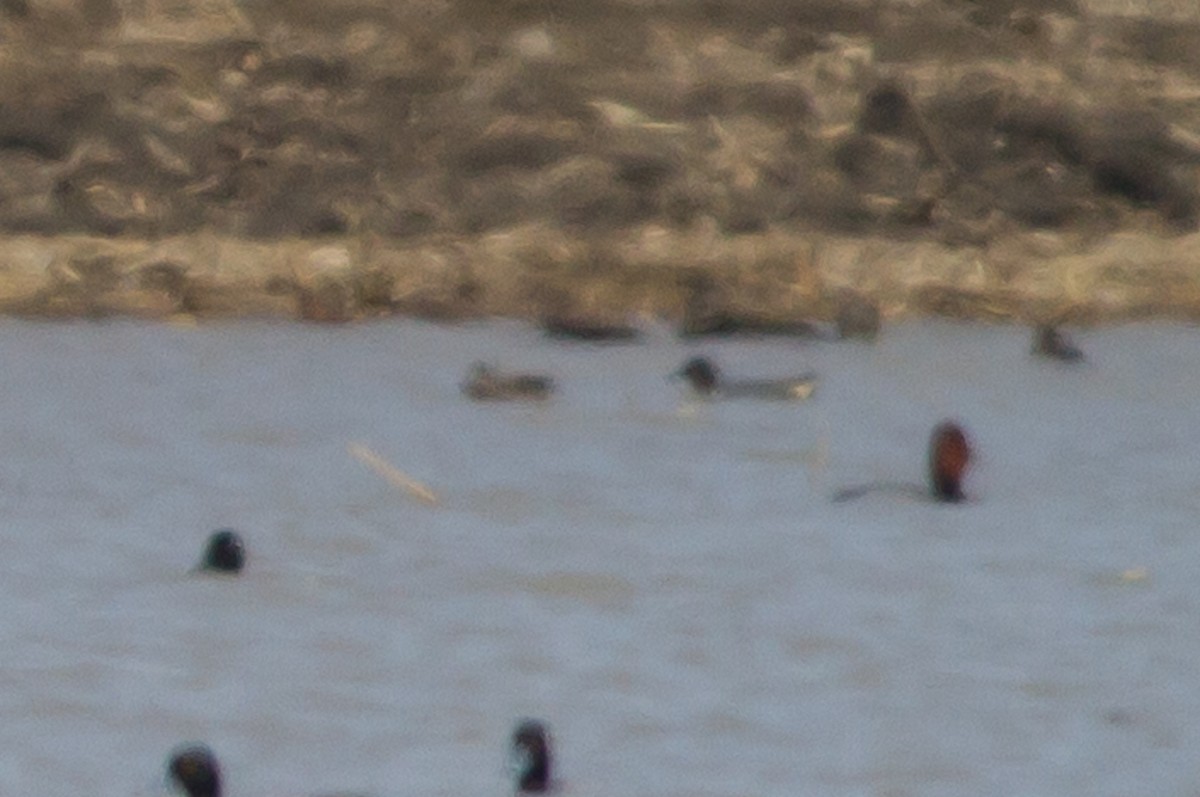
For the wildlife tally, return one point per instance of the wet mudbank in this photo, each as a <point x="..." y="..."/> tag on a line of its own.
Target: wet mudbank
<point x="589" y="162"/>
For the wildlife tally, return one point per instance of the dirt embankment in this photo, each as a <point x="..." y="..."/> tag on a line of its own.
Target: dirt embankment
<point x="1018" y="159"/>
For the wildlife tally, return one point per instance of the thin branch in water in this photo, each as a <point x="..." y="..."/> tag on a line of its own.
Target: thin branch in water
<point x="391" y="474"/>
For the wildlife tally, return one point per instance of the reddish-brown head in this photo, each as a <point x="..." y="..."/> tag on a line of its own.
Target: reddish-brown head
<point x="949" y="456"/>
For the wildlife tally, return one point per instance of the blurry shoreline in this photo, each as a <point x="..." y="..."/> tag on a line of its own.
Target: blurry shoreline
<point x="535" y="272"/>
<point x="600" y="160"/>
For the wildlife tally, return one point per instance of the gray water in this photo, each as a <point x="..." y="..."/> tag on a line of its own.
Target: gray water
<point x="664" y="581"/>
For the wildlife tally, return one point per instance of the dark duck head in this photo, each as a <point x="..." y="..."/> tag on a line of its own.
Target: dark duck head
<point x="224" y="552"/>
<point x="701" y="373"/>
<point x="949" y="457"/>
<point x="531" y="757"/>
<point x="194" y="769"/>
<point x="1052" y="344"/>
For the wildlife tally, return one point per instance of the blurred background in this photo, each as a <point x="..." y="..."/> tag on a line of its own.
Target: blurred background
<point x="348" y="158"/>
<point x="665" y="581"/>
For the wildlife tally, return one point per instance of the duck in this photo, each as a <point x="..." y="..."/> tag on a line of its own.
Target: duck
<point x="584" y="330"/>
<point x="1050" y="343"/>
<point x="562" y="317"/>
<point x="483" y="383"/>
<point x="223" y="553"/>
<point x="194" y="769"/>
<point x="708" y="313"/>
<point x="706" y="380"/>
<point x="950" y="455"/>
<point x="856" y="317"/>
<point x="531" y="757"/>
<point x="729" y="325"/>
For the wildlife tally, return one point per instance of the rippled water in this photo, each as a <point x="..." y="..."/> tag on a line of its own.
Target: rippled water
<point x="666" y="582"/>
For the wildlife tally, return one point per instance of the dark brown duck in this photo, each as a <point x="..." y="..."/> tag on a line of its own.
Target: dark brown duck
<point x="531" y="756"/>
<point x="1052" y="344"/>
<point x="949" y="458"/>
<point x="223" y="553"/>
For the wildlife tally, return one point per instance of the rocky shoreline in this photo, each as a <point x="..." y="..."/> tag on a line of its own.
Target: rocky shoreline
<point x="597" y="161"/>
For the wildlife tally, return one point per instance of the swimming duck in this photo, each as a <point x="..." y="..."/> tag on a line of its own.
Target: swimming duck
<point x="705" y="379"/>
<point x="531" y="757"/>
<point x="949" y="458"/>
<point x="194" y="769"/>
<point x="485" y="384"/>
<point x="223" y="553"/>
<point x="1052" y="344"/>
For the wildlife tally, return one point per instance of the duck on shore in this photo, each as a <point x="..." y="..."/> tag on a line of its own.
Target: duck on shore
<point x="1052" y="344"/>
<point x="720" y="324"/>
<point x="483" y="383"/>
<point x="563" y="315"/>
<point x="585" y="330"/>
<point x="708" y="313"/>
<point x="949" y="457"/>
<point x="857" y="317"/>
<point x="706" y="380"/>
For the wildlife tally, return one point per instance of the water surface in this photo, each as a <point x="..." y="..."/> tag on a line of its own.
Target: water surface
<point x="664" y="581"/>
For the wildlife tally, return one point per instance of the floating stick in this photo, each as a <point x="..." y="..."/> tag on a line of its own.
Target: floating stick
<point x="392" y="474"/>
